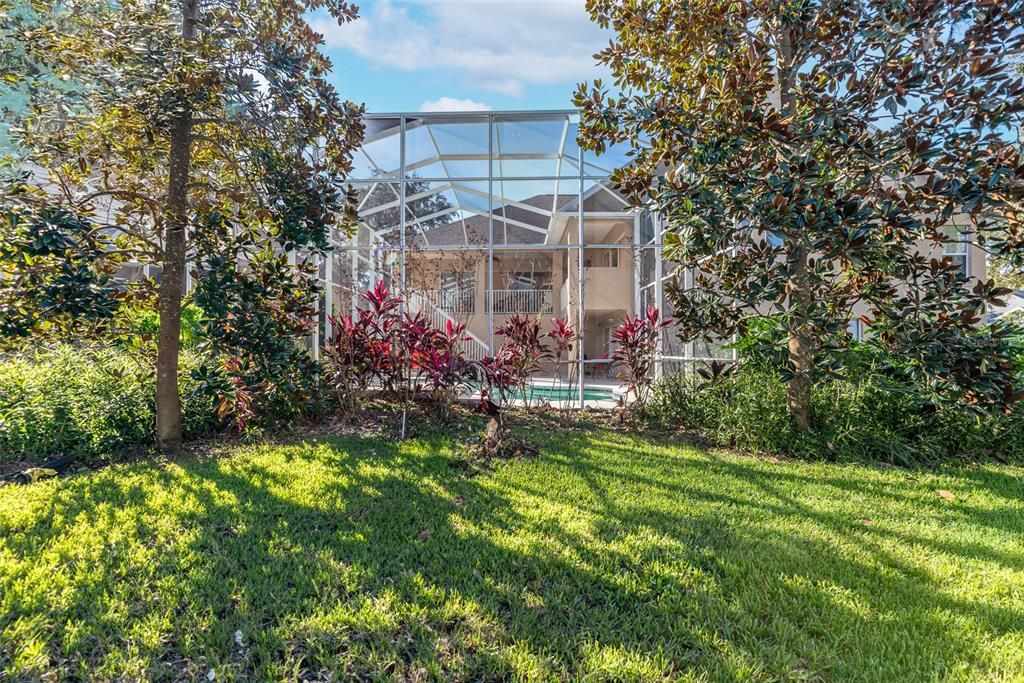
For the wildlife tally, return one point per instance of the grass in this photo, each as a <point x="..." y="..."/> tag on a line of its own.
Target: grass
<point x="609" y="556"/>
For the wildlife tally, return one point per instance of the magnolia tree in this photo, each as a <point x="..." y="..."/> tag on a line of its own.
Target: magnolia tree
<point x="165" y="133"/>
<point x="809" y="157"/>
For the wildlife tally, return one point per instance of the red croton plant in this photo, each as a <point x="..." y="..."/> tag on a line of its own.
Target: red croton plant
<point x="524" y="349"/>
<point x="380" y="347"/>
<point x="366" y="347"/>
<point x="438" y="360"/>
<point x="399" y="353"/>
<point x="636" y="347"/>
<point x="564" y="339"/>
<point x="382" y="321"/>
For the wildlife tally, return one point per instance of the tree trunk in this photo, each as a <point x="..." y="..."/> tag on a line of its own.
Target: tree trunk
<point x="799" y="393"/>
<point x="800" y="352"/>
<point x="494" y="436"/>
<point x="800" y="357"/>
<point x="172" y="282"/>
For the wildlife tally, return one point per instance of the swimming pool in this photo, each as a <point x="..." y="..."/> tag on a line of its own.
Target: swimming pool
<point x="560" y="392"/>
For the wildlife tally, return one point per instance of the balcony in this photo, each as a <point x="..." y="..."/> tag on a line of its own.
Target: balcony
<point x="523" y="300"/>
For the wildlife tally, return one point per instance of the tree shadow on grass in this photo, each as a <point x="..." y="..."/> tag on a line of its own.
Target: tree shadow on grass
<point x="361" y="558"/>
<point x="757" y="488"/>
<point x="908" y="617"/>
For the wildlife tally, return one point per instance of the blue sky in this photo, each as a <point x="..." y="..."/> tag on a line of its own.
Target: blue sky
<point x="416" y="55"/>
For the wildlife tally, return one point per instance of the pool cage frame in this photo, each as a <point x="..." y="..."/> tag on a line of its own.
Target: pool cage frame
<point x="520" y="140"/>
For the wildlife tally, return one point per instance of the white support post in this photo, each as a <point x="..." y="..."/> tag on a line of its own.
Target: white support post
<point x="318" y="308"/>
<point x="638" y="263"/>
<point x="490" y="233"/>
<point x="352" y="295"/>
<point x="401" y="215"/>
<point x="581" y="274"/>
<point x="659" y="293"/>
<point x="328" y="294"/>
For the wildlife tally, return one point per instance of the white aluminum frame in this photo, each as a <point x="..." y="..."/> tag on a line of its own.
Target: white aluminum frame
<point x="462" y="186"/>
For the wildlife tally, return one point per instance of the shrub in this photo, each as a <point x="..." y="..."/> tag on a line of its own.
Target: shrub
<point x="345" y="356"/>
<point x="436" y="357"/>
<point x="398" y="354"/>
<point x="867" y="414"/>
<point x="501" y="374"/>
<point x="385" y="353"/>
<point x="564" y="338"/>
<point x="871" y="405"/>
<point x="83" y="401"/>
<point x="256" y="321"/>
<point x="144" y="325"/>
<point x="250" y="392"/>
<point x="636" y="346"/>
<point x="521" y="352"/>
<point x="375" y="345"/>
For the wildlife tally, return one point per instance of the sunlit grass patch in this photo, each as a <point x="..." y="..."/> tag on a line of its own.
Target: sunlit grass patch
<point x="608" y="556"/>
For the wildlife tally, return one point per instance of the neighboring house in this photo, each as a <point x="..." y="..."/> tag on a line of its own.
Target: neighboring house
<point x="1013" y="310"/>
<point x="963" y="253"/>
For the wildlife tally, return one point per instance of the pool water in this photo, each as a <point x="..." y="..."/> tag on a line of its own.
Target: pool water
<point x="559" y="392"/>
<point x="539" y="392"/>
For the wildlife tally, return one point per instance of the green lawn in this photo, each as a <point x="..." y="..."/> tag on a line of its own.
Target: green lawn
<point x="608" y="556"/>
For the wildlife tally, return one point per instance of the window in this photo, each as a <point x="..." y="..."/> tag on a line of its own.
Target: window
<point x="454" y="281"/>
<point x="129" y="272"/>
<point x="855" y="329"/>
<point x="525" y="281"/>
<point x="602" y="258"/>
<point x="458" y="292"/>
<point x="955" y="248"/>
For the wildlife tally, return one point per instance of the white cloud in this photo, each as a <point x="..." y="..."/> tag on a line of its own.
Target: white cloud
<point x="453" y="104"/>
<point x="500" y="46"/>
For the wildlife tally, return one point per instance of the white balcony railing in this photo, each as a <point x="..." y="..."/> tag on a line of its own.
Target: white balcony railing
<point x="419" y="302"/>
<point x="523" y="300"/>
<point x="452" y="301"/>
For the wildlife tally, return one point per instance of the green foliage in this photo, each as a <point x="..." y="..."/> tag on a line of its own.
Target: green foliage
<point x="86" y="401"/>
<point x="811" y="158"/>
<point x="181" y="127"/>
<point x="55" y="270"/>
<point x="869" y="413"/>
<point x="980" y="372"/>
<point x="102" y="84"/>
<point x="144" y="324"/>
<point x="257" y="312"/>
<point x="1006" y="274"/>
